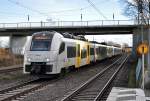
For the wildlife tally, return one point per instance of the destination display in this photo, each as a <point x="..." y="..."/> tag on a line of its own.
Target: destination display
<point x="41" y="37"/>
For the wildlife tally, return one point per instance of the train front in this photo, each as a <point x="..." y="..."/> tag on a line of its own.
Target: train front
<point x="39" y="57"/>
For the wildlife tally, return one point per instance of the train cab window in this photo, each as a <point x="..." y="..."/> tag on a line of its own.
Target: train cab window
<point x="62" y="47"/>
<point x="40" y="45"/>
<point x="41" y="41"/>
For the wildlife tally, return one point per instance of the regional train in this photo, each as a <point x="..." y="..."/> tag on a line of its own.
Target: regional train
<point x="50" y="52"/>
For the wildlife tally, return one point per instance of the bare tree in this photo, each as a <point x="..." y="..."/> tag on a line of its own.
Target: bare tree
<point x="137" y="9"/>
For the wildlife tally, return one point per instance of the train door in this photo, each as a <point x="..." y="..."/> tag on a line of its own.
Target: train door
<point x="109" y="51"/>
<point x="78" y="56"/>
<point x="88" y="54"/>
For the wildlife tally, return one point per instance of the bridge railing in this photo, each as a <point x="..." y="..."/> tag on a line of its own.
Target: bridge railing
<point x="67" y="23"/>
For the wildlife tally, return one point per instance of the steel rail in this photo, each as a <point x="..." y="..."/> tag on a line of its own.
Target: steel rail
<point x="19" y="85"/>
<point x="22" y="91"/>
<point x="18" y="91"/>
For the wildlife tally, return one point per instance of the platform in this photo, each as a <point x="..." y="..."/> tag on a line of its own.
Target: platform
<point x="147" y="94"/>
<point x="127" y="94"/>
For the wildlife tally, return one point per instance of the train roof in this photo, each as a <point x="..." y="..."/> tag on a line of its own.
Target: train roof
<point x="102" y="43"/>
<point x="70" y="36"/>
<point x="65" y="35"/>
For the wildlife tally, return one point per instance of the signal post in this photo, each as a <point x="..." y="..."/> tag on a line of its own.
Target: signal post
<point x="143" y="49"/>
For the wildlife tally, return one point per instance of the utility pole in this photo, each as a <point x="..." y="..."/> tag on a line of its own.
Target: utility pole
<point x="28" y="17"/>
<point x="149" y="11"/>
<point x="81" y="16"/>
<point x="140" y="11"/>
<point x="113" y="16"/>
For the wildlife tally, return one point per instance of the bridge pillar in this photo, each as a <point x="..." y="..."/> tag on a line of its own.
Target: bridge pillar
<point x="137" y="39"/>
<point x="16" y="44"/>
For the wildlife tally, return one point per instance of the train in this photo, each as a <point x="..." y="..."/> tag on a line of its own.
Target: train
<point x="51" y="52"/>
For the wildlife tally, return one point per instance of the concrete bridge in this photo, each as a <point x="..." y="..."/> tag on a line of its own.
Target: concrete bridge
<point x="97" y="27"/>
<point x="18" y="32"/>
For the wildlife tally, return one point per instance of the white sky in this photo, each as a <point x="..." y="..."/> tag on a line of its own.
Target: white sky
<point x="120" y="39"/>
<point x="58" y="10"/>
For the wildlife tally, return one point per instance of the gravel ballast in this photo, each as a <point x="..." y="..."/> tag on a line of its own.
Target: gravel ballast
<point x="13" y="78"/>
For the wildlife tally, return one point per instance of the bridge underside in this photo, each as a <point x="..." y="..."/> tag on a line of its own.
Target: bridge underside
<point x="78" y="30"/>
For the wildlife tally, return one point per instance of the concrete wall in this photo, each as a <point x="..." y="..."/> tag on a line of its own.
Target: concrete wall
<point x="17" y="43"/>
<point x="147" y="72"/>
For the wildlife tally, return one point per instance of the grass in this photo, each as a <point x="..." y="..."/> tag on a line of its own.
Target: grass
<point x="10" y="60"/>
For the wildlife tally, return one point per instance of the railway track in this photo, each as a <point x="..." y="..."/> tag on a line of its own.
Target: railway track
<point x="25" y="87"/>
<point x="120" y="81"/>
<point x="20" y="91"/>
<point x="94" y="88"/>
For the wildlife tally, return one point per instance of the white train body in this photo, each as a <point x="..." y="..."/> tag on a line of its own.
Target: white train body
<point x="50" y="52"/>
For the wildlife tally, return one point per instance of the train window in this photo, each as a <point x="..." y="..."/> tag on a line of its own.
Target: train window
<point x="103" y="50"/>
<point x="62" y="47"/>
<point x="91" y="51"/>
<point x="97" y="51"/>
<point x="71" y="52"/>
<point x="83" y="53"/>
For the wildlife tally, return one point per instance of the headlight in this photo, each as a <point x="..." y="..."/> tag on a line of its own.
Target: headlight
<point x="47" y="60"/>
<point x="28" y="59"/>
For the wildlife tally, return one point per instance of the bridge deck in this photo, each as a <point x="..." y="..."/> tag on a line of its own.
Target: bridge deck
<point x="75" y="27"/>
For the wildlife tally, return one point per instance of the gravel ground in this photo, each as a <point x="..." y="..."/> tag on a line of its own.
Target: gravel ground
<point x="123" y="76"/>
<point x="57" y="90"/>
<point x="12" y="78"/>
